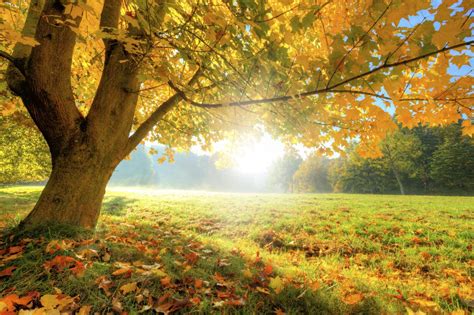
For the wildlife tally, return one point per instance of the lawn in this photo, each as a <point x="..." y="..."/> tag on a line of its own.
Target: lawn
<point x="198" y="252"/>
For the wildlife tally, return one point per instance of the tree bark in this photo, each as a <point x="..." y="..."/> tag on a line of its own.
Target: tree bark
<point x="84" y="150"/>
<point x="76" y="186"/>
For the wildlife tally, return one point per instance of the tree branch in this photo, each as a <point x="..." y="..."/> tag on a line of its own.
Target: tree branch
<point x="329" y="89"/>
<point x="141" y="132"/>
<point x="8" y="57"/>
<point x="46" y="91"/>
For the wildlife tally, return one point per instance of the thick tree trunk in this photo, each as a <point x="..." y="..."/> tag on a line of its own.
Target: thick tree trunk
<point x="74" y="192"/>
<point x="85" y="148"/>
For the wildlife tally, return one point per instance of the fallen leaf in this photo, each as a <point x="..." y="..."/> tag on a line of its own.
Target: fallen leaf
<point x="122" y="271"/>
<point x="198" y="283"/>
<point x="60" y="263"/>
<point x="104" y="284"/>
<point x="8" y="302"/>
<point x="263" y="290"/>
<point x="191" y="258"/>
<point x="56" y="301"/>
<point x="7" y="272"/>
<point x="279" y="311"/>
<point x="195" y="300"/>
<point x="352" y="299"/>
<point x="268" y="270"/>
<point x="129" y="287"/>
<point x="165" y="281"/>
<point x="424" y="303"/>
<point x="15" y="249"/>
<point x="247" y="273"/>
<point x="85" y="310"/>
<point x="56" y="245"/>
<point x="117" y="306"/>
<point x="276" y="284"/>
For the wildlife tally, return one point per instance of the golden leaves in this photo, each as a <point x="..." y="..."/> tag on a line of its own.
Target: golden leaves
<point x="282" y="48"/>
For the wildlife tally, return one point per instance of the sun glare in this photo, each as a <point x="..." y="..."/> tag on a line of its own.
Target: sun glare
<point x="257" y="156"/>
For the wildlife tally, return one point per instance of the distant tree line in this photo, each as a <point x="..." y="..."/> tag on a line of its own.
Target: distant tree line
<point x="421" y="160"/>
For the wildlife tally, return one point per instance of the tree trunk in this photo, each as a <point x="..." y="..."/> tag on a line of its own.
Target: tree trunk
<point x="85" y="148"/>
<point x="399" y="181"/>
<point x="74" y="192"/>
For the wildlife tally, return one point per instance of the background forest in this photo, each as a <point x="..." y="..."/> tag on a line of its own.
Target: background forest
<point x="422" y="160"/>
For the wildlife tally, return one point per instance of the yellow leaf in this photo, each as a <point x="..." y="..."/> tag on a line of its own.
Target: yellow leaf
<point x="56" y="301"/>
<point x="84" y="310"/>
<point x="159" y="273"/>
<point x="129" y="287"/>
<point x="276" y="284"/>
<point x="247" y="273"/>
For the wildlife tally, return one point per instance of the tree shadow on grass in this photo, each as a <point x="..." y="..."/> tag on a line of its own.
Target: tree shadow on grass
<point x="169" y="267"/>
<point x="116" y="206"/>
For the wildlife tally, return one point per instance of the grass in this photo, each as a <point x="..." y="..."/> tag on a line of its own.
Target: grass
<point x="258" y="253"/>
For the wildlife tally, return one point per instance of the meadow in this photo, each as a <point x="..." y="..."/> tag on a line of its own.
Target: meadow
<point x="200" y="252"/>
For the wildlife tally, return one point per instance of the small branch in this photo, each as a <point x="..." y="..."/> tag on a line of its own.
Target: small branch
<point x="141" y="132"/>
<point x="13" y="61"/>
<point x="8" y="57"/>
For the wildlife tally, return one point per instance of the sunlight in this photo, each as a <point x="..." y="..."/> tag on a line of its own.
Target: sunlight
<point x="256" y="157"/>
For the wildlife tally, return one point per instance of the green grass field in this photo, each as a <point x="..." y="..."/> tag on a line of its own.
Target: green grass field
<point x="197" y="252"/>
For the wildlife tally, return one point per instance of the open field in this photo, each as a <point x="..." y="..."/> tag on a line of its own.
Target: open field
<point x="252" y="253"/>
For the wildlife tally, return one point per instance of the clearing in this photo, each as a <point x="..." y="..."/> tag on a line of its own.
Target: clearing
<point x="204" y="252"/>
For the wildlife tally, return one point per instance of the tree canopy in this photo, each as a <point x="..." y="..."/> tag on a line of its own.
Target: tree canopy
<point x="310" y="71"/>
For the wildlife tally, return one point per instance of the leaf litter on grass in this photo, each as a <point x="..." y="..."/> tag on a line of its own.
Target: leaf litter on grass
<point x="166" y="266"/>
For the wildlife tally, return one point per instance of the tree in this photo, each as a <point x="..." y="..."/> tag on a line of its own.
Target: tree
<point x="356" y="174"/>
<point x="401" y="149"/>
<point x="312" y="175"/>
<point x="99" y="77"/>
<point x="452" y="165"/>
<point x="430" y="139"/>
<point x="282" y="171"/>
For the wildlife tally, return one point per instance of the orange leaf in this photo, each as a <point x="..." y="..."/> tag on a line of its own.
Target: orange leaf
<point x="268" y="270"/>
<point x="352" y="299"/>
<point x="61" y="263"/>
<point x="165" y="281"/>
<point x="85" y="310"/>
<point x="122" y="271"/>
<point x="198" y="283"/>
<point x="15" y="249"/>
<point x="7" y="272"/>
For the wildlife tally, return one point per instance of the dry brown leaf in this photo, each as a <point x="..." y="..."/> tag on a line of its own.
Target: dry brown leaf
<point x="121" y="271"/>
